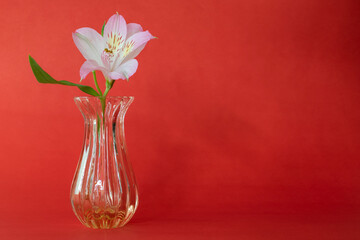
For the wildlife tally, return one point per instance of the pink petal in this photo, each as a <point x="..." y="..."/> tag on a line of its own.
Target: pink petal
<point x="89" y="66"/>
<point x="89" y="43"/>
<point x="134" y="53"/>
<point x="116" y="76"/>
<point x="116" y="25"/>
<point x="95" y="38"/>
<point x="125" y="70"/>
<point x="133" y="28"/>
<point x="139" y="41"/>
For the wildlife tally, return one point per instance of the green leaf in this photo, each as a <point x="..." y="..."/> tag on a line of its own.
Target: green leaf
<point x="44" y="77"/>
<point x="102" y="29"/>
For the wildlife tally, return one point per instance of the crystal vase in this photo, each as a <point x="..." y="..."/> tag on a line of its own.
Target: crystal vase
<point x="104" y="193"/>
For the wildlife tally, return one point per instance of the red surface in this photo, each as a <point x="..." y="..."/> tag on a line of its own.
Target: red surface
<point x="247" y="227"/>
<point x="241" y="107"/>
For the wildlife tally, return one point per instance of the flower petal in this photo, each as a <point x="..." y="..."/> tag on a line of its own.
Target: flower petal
<point x="96" y="39"/>
<point x="116" y="25"/>
<point x="139" y="39"/>
<point x="137" y="43"/>
<point x="125" y="70"/>
<point x="133" y="28"/>
<point x="89" y="42"/>
<point x="89" y="66"/>
<point x="134" y="53"/>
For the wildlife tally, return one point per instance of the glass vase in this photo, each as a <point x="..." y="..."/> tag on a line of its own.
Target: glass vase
<point x="104" y="193"/>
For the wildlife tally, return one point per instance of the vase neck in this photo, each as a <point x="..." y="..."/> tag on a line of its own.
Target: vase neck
<point x="92" y="109"/>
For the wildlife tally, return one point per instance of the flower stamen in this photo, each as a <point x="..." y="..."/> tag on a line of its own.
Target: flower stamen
<point x="114" y="42"/>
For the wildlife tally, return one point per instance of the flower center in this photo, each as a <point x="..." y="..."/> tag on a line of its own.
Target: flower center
<point x="114" y="41"/>
<point x="115" y="50"/>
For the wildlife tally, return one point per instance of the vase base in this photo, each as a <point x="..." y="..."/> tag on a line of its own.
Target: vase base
<point x="106" y="218"/>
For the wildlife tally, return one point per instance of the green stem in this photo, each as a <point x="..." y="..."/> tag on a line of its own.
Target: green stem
<point x="103" y="97"/>
<point x="107" y="90"/>
<point x="96" y="83"/>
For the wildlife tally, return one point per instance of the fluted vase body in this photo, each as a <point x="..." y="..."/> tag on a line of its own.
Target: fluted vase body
<point x="104" y="192"/>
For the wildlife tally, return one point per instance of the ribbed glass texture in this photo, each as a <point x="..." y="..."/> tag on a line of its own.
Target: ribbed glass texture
<point x="104" y="192"/>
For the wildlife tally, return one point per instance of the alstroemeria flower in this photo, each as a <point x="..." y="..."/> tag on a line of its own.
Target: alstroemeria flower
<point x="113" y="54"/>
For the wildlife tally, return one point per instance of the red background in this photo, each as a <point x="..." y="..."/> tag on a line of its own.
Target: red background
<point x="241" y="107"/>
